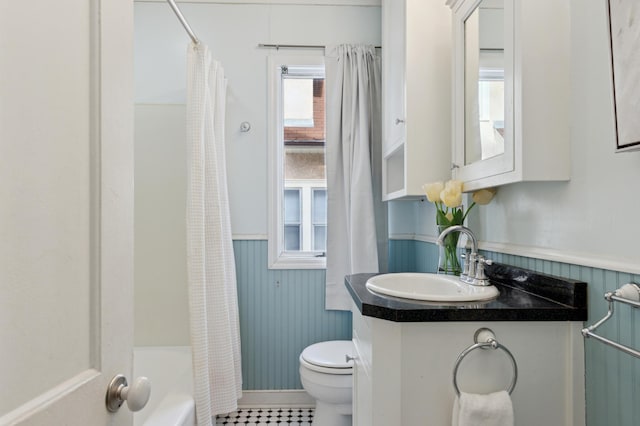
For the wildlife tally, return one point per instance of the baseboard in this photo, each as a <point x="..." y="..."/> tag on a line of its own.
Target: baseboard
<point x="292" y="398"/>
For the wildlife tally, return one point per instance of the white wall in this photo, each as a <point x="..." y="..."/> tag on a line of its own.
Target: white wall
<point x="160" y="293"/>
<point x="233" y="32"/>
<point x="589" y="220"/>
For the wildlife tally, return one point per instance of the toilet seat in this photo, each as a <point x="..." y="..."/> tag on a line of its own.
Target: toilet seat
<point x="328" y="357"/>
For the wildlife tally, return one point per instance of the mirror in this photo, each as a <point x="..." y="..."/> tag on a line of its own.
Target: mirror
<point x="484" y="89"/>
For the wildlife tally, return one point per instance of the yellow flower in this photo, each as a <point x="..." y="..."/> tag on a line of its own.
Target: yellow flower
<point x="454" y="185"/>
<point x="483" y="196"/>
<point x="433" y="190"/>
<point x="451" y="195"/>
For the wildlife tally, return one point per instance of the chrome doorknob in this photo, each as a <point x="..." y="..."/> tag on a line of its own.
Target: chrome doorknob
<point x="137" y="395"/>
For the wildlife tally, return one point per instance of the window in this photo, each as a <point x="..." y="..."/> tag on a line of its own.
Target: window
<point x="297" y="177"/>
<point x="319" y="219"/>
<point x="292" y="223"/>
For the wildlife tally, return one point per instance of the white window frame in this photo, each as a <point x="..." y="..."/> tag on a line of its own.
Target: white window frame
<point x="278" y="258"/>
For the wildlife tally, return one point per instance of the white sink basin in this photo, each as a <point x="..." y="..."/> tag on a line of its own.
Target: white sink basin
<point x="431" y="287"/>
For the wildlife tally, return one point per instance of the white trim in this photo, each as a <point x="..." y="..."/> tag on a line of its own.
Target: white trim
<point x="248" y="237"/>
<point x="276" y="398"/>
<point x="45" y="400"/>
<point x="285" y="261"/>
<point x="426" y="238"/>
<point x="453" y="4"/>
<point x="279" y="2"/>
<point x="415" y="237"/>
<point x="554" y="255"/>
<point x="563" y="256"/>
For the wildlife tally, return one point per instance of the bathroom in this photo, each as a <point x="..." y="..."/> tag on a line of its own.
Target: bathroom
<point x="568" y="228"/>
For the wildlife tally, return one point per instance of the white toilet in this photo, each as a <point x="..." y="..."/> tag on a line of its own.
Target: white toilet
<point x="326" y="376"/>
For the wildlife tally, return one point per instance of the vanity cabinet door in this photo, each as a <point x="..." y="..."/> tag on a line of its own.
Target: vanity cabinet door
<point x="362" y="397"/>
<point x="362" y="366"/>
<point x="511" y="91"/>
<point x="376" y="372"/>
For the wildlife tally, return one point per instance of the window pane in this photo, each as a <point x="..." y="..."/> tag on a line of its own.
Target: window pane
<point x="298" y="102"/>
<point x="320" y="238"/>
<point x="291" y="206"/>
<point x="292" y="237"/>
<point x="319" y="206"/>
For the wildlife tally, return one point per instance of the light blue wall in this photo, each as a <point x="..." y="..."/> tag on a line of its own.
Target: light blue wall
<point x="612" y="377"/>
<point x="281" y="313"/>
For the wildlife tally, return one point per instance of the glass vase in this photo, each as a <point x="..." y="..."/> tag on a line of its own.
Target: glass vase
<point x="448" y="261"/>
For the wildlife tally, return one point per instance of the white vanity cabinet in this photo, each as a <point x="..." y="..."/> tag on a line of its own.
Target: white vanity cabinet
<point x="416" y="95"/>
<point x="521" y="130"/>
<point x="403" y="371"/>
<point x="376" y="381"/>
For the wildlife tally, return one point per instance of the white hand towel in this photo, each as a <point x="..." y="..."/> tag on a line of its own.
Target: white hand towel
<point x="494" y="409"/>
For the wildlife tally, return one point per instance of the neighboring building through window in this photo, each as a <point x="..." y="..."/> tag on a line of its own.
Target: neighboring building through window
<point x="298" y="193"/>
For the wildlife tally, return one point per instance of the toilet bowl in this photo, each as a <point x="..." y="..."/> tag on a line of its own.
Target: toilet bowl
<point x="326" y="376"/>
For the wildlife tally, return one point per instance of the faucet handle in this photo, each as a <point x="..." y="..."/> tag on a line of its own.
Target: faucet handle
<point x="480" y="277"/>
<point x="472" y="259"/>
<point x="464" y="276"/>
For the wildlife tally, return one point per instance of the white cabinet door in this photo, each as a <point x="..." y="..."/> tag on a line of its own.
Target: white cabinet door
<point x="416" y="93"/>
<point x="66" y="209"/>
<point x="362" y="398"/>
<point x="393" y="60"/>
<point x="532" y="141"/>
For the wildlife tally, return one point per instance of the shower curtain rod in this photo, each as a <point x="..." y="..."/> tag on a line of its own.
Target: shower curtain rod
<point x="295" y="46"/>
<point x="183" y="21"/>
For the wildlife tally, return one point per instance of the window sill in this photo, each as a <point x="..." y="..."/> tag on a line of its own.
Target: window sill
<point x="298" y="262"/>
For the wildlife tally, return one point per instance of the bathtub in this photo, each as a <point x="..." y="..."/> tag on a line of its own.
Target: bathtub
<point x="169" y="370"/>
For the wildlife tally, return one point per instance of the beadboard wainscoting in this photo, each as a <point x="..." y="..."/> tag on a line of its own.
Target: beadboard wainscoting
<point x="281" y="313"/>
<point x="612" y="377"/>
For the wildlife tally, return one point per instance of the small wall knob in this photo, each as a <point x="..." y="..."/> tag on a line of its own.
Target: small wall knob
<point x="245" y="126"/>
<point x="137" y="395"/>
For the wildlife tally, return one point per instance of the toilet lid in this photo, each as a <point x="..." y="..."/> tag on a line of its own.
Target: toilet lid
<point x="329" y="354"/>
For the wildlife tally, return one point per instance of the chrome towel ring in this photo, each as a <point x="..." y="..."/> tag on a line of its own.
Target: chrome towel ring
<point x="485" y="338"/>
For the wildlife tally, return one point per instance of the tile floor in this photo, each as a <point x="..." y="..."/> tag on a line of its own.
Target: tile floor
<point x="268" y="416"/>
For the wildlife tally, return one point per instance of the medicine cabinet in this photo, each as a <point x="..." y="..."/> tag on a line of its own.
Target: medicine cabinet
<point x="511" y="89"/>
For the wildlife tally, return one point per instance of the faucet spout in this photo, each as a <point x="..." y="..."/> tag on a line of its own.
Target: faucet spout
<point x="469" y="271"/>
<point x="462" y="229"/>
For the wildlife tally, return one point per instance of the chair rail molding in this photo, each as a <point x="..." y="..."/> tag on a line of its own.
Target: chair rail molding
<point x="592" y="260"/>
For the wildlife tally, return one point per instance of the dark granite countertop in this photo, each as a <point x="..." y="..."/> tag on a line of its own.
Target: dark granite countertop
<point x="524" y="296"/>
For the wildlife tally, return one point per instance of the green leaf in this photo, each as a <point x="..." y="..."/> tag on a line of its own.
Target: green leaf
<point x="441" y="218"/>
<point x="457" y="217"/>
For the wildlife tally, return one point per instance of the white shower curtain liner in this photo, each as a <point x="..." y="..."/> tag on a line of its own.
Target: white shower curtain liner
<point x="357" y="219"/>
<point x="213" y="300"/>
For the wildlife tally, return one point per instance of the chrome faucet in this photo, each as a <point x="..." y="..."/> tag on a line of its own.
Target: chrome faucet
<point x="473" y="269"/>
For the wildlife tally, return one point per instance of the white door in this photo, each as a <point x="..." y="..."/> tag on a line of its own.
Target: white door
<point x="66" y="209"/>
